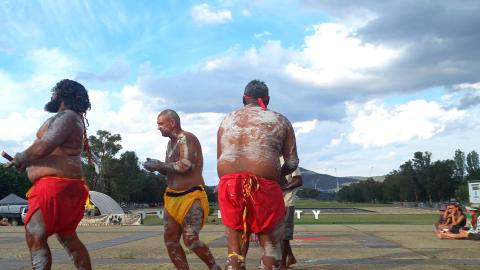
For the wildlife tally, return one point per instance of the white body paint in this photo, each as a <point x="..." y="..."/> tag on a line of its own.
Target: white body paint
<point x="260" y="132"/>
<point x="39" y="259"/>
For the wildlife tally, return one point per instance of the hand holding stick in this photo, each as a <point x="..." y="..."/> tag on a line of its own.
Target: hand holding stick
<point x="20" y="166"/>
<point x="152" y="164"/>
<point x="7" y="156"/>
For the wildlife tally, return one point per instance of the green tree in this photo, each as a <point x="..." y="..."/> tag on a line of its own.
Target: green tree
<point x="212" y="196"/>
<point x="308" y="193"/>
<point x="126" y="177"/>
<point x="461" y="193"/>
<point x="11" y="181"/>
<point x="151" y="187"/>
<point x="343" y="195"/>
<point x="421" y="164"/>
<point x="443" y="182"/>
<point x="473" y="166"/>
<point x="104" y="147"/>
<point x="459" y="159"/>
<point x="409" y="184"/>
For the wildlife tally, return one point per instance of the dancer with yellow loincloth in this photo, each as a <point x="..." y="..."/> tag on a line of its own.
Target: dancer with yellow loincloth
<point x="249" y="143"/>
<point x="57" y="198"/>
<point x="186" y="203"/>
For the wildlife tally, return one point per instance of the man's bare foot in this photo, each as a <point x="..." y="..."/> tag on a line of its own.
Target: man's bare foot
<point x="216" y="267"/>
<point x="290" y="261"/>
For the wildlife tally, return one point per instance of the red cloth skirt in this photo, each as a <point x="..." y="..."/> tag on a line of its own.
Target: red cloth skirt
<point x="250" y="203"/>
<point x="61" y="201"/>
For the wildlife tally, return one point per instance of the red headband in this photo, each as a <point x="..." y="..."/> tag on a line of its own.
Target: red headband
<point x="260" y="101"/>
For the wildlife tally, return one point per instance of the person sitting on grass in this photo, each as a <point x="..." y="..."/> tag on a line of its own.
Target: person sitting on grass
<point x="458" y="219"/>
<point x="4" y="222"/>
<point x="472" y="234"/>
<point x="442" y="219"/>
<point x="455" y="219"/>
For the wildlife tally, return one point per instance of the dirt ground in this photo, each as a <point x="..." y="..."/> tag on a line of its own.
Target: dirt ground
<point x="315" y="246"/>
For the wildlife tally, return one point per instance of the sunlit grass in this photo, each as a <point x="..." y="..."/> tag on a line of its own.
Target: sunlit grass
<point x="341" y="218"/>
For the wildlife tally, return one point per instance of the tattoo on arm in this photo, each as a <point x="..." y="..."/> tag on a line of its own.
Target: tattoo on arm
<point x="184" y="163"/>
<point x="180" y="166"/>
<point x="219" y="141"/>
<point x="290" y="151"/>
<point x="58" y="130"/>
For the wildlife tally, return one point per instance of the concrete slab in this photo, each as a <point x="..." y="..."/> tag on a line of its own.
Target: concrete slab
<point x="336" y="247"/>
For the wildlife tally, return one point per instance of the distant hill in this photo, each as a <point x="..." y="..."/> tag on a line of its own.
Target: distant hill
<point x="376" y="178"/>
<point x="325" y="182"/>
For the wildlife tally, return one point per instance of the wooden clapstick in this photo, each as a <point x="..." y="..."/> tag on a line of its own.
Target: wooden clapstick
<point x="7" y="156"/>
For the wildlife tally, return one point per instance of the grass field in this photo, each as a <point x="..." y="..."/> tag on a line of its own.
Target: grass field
<point x="152" y="220"/>
<point x="337" y="218"/>
<point x="311" y="203"/>
<point x="400" y="219"/>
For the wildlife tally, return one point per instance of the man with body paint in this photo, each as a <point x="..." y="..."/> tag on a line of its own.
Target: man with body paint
<point x="57" y="198"/>
<point x="186" y="202"/>
<point x="250" y="141"/>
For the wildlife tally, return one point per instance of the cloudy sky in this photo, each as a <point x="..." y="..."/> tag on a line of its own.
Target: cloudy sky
<point x="365" y="83"/>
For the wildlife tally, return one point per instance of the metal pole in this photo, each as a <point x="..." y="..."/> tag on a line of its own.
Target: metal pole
<point x="336" y="176"/>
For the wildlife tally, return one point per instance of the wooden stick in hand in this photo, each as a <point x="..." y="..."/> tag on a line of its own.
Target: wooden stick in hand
<point x="7" y="156"/>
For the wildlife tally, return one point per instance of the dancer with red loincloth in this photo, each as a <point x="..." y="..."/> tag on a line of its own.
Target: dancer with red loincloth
<point x="249" y="143"/>
<point x="57" y="198"/>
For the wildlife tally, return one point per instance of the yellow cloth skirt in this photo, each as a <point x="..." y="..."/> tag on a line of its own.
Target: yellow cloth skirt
<point x="178" y="202"/>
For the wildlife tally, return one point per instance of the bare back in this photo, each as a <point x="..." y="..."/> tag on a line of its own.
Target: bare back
<point x="61" y="138"/>
<point x="185" y="151"/>
<point x="252" y="140"/>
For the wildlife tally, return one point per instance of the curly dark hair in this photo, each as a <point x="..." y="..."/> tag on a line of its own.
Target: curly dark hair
<point x="256" y="89"/>
<point x="73" y="94"/>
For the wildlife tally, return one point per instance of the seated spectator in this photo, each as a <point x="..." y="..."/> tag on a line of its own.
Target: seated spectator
<point x="458" y="218"/>
<point x="455" y="219"/>
<point x="4" y="222"/>
<point x="445" y="219"/>
<point x="472" y="234"/>
<point x="442" y="219"/>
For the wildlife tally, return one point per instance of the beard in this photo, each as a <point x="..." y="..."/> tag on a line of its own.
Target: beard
<point x="52" y="106"/>
<point x="164" y="133"/>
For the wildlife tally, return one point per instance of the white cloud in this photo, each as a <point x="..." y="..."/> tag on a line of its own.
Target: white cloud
<point x="246" y="12"/>
<point x="333" y="54"/>
<point x="467" y="86"/>
<point x="335" y="141"/>
<point x="48" y="66"/>
<point x="51" y="58"/>
<point x="11" y="93"/>
<point x="304" y="127"/>
<point x="20" y="127"/>
<point x="135" y="120"/>
<point x="203" y="14"/>
<point x="205" y="127"/>
<point x="375" y="125"/>
<point x="270" y="57"/>
<point x="261" y="35"/>
<point x="332" y="57"/>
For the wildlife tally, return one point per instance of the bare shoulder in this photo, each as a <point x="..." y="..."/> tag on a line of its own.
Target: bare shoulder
<point x="188" y="137"/>
<point x="280" y="118"/>
<point x="67" y="115"/>
<point x="230" y="118"/>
